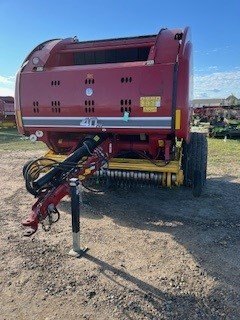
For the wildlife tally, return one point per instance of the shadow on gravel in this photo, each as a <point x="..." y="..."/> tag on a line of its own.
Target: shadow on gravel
<point x="188" y="306"/>
<point x="208" y="227"/>
<point x="161" y="301"/>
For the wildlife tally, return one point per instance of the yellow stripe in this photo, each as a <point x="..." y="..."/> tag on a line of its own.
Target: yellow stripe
<point x="178" y="119"/>
<point x="19" y="118"/>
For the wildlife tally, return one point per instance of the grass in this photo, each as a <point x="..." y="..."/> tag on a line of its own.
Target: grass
<point x="220" y="152"/>
<point x="10" y="140"/>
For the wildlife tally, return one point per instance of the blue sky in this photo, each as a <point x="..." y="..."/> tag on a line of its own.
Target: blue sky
<point x="215" y="29"/>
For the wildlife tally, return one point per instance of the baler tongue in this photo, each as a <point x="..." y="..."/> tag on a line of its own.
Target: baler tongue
<point x="56" y="175"/>
<point x="53" y="185"/>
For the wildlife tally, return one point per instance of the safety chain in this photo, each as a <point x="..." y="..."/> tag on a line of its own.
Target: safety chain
<point x="53" y="216"/>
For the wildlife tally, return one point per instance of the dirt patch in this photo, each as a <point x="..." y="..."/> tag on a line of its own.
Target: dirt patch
<point x="154" y="253"/>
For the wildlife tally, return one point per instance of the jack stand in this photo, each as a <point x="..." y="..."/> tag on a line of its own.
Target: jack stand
<point x="76" y="251"/>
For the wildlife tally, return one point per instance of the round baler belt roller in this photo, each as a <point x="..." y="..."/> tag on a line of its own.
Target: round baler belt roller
<point x="128" y="177"/>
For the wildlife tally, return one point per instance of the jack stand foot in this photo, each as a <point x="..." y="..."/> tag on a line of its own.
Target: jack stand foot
<point x="77" y="254"/>
<point x="29" y="232"/>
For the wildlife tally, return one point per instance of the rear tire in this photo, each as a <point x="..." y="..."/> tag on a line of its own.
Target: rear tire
<point x="194" y="162"/>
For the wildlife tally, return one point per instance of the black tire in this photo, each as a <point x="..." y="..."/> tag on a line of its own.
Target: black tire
<point x="194" y="162"/>
<point x="198" y="183"/>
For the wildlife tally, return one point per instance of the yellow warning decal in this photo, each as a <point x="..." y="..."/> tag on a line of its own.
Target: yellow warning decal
<point x="150" y="101"/>
<point x="149" y="109"/>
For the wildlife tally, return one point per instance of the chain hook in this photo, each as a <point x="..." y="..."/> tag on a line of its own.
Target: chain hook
<point x="53" y="216"/>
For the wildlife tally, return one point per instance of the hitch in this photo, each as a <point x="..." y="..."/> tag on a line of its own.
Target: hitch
<point x="54" y="185"/>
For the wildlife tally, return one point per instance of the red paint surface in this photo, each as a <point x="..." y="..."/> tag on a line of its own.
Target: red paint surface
<point x="37" y="92"/>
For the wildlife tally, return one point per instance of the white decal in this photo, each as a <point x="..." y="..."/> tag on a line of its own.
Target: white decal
<point x="110" y="148"/>
<point x="33" y="137"/>
<point x="89" y="122"/>
<point x="39" y="133"/>
<point x="89" y="92"/>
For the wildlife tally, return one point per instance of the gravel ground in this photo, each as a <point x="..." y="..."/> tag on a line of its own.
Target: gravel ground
<point x="154" y="253"/>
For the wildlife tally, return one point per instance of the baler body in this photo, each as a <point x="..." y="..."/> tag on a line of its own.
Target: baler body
<point x="137" y="89"/>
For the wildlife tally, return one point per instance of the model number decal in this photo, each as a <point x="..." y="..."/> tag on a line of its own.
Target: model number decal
<point x="89" y="122"/>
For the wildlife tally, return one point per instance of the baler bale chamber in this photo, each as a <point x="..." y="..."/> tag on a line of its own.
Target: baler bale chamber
<point x="7" y="113"/>
<point x="115" y="109"/>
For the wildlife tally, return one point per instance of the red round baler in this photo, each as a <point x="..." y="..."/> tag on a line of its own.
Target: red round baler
<point x="116" y="109"/>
